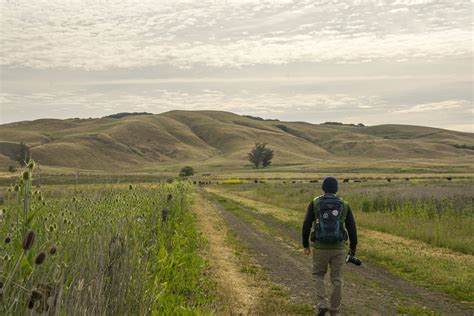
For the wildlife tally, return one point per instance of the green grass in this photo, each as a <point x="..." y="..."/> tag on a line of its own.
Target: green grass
<point x="416" y="310"/>
<point x="437" y="213"/>
<point x="435" y="268"/>
<point x="114" y="254"/>
<point x="273" y="299"/>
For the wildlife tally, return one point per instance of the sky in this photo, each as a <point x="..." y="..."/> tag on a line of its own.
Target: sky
<point x="360" y="61"/>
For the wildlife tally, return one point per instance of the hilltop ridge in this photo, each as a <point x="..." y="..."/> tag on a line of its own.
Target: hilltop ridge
<point x="140" y="141"/>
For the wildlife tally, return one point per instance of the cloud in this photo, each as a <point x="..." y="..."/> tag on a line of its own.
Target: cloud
<point x="98" y="104"/>
<point x="436" y="106"/>
<point x="100" y="35"/>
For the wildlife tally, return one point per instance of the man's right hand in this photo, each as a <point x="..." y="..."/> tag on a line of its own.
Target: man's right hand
<point x="307" y="251"/>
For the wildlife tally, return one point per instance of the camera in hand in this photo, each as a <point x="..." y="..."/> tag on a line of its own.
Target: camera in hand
<point x="353" y="260"/>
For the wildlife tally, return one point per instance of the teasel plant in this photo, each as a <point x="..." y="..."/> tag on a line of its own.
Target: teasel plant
<point x="24" y="249"/>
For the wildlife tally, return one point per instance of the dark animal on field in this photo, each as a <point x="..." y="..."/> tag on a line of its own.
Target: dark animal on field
<point x="313" y="181"/>
<point x="357" y="180"/>
<point x="345" y="180"/>
<point x="255" y="181"/>
<point x="284" y="181"/>
<point x="389" y="180"/>
<point x="194" y="182"/>
<point x="449" y="178"/>
<point x="407" y="179"/>
<point x="293" y="181"/>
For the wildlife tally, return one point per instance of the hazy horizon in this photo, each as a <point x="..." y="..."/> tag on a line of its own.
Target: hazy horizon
<point x="372" y="62"/>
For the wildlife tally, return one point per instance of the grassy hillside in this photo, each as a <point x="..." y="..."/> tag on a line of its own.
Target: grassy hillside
<point x="219" y="139"/>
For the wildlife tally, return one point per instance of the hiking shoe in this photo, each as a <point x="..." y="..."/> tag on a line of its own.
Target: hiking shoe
<point x="322" y="311"/>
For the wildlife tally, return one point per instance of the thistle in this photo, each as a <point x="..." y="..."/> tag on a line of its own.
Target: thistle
<point x="53" y="250"/>
<point x="26" y="175"/>
<point x="31" y="165"/>
<point x="40" y="258"/>
<point x="28" y="240"/>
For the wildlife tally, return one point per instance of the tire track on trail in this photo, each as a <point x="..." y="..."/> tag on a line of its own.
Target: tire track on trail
<point x="368" y="290"/>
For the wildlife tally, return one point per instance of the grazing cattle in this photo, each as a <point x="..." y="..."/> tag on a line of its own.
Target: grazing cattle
<point x="389" y="180"/>
<point x="449" y="178"/>
<point x="357" y="180"/>
<point x="407" y="179"/>
<point x="255" y="181"/>
<point x="284" y="181"/>
<point x="293" y="181"/>
<point x="313" y="181"/>
<point x="345" y="180"/>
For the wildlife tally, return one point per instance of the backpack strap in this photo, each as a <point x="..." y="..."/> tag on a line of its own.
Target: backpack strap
<point x="316" y="207"/>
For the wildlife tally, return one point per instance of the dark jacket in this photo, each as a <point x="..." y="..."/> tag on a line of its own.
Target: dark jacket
<point x="349" y="224"/>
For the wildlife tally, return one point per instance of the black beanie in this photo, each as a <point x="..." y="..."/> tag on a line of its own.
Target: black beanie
<point x="330" y="185"/>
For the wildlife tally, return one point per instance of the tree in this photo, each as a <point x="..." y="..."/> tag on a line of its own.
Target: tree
<point x="267" y="157"/>
<point x="186" y="171"/>
<point x="260" y="155"/>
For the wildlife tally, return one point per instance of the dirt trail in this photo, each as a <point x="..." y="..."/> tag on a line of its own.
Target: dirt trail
<point x="236" y="293"/>
<point x="368" y="290"/>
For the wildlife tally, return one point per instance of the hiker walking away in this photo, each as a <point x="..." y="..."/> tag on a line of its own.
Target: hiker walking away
<point x="331" y="216"/>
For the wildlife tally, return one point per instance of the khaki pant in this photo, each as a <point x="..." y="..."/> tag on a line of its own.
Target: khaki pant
<point x="335" y="259"/>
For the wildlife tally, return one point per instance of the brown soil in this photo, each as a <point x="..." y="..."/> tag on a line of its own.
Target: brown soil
<point x="368" y="290"/>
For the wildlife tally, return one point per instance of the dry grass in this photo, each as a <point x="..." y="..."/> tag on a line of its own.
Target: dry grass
<point x="441" y="269"/>
<point x="213" y="139"/>
<point x="234" y="289"/>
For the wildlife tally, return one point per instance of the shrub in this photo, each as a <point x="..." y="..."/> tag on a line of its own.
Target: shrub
<point x="186" y="171"/>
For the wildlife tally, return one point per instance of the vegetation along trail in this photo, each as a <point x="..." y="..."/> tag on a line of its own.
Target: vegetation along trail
<point x="368" y="290"/>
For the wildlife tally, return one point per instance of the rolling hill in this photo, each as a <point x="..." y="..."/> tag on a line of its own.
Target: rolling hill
<point x="202" y="137"/>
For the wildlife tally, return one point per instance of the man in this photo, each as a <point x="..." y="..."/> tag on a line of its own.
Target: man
<point x="331" y="217"/>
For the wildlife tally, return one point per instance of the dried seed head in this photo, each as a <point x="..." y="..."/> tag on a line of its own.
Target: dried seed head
<point x="53" y="250"/>
<point x="28" y="240"/>
<point x="8" y="239"/>
<point x="36" y="295"/>
<point x="26" y="175"/>
<point x="40" y="258"/>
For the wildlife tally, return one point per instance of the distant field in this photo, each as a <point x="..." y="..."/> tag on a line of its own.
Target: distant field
<point x="436" y="212"/>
